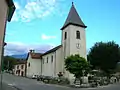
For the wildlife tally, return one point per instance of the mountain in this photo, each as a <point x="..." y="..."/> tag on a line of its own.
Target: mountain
<point x="22" y="56"/>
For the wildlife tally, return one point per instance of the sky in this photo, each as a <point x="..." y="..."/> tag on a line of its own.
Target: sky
<point x="36" y="23"/>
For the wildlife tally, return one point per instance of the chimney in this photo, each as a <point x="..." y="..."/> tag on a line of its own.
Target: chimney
<point x="32" y="51"/>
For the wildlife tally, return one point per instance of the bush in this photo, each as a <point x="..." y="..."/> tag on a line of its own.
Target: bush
<point x="40" y="78"/>
<point x="56" y="80"/>
<point x="63" y="81"/>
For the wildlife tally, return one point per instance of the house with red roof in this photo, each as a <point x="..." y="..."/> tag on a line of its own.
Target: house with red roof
<point x="33" y="63"/>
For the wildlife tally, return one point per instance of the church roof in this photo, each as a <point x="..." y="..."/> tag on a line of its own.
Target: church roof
<point x="52" y="50"/>
<point x="73" y="18"/>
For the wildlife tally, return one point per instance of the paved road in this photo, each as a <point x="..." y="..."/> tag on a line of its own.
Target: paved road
<point x="29" y="84"/>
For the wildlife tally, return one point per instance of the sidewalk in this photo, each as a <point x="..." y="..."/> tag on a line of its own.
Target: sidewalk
<point x="6" y="87"/>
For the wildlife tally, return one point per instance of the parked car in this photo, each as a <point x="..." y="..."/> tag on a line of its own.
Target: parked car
<point x="34" y="76"/>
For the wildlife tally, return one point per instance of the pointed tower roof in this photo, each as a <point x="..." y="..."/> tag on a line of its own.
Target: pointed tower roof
<point x="73" y="18"/>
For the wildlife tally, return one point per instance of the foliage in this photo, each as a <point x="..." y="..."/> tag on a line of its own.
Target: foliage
<point x="9" y="62"/>
<point x="76" y="65"/>
<point x="54" y="80"/>
<point x="104" y="56"/>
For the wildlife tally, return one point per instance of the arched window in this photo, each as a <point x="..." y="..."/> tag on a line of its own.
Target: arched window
<point x="29" y="64"/>
<point x="47" y="59"/>
<point x="78" y="34"/>
<point x="43" y="60"/>
<point x="65" y="37"/>
<point x="52" y="58"/>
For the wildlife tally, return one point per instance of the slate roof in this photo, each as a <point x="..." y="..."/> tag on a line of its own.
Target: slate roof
<point x="52" y="50"/>
<point x="21" y="62"/>
<point x="73" y="18"/>
<point x="39" y="55"/>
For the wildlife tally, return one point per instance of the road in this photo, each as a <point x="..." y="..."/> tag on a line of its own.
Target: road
<point x="29" y="84"/>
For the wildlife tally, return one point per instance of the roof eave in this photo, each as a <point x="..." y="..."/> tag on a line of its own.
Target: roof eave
<point x="73" y="24"/>
<point x="51" y="50"/>
<point x="11" y="9"/>
<point x="10" y="13"/>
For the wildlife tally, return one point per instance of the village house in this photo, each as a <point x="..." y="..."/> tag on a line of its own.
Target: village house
<point x="7" y="9"/>
<point x="33" y="64"/>
<point x="20" y="68"/>
<point x="73" y="41"/>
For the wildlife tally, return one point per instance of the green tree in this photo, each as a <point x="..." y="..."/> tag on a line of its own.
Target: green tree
<point x="9" y="62"/>
<point x="104" y="56"/>
<point x="77" y="65"/>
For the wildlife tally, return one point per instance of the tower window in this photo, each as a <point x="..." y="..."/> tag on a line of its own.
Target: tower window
<point x="43" y="60"/>
<point x="65" y="35"/>
<point x="28" y="64"/>
<point x="78" y="34"/>
<point x="52" y="58"/>
<point x="47" y="59"/>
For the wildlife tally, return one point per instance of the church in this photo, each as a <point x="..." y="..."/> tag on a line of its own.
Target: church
<point x="73" y="41"/>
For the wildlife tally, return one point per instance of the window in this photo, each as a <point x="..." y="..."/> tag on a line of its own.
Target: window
<point x="22" y="66"/>
<point x="29" y="65"/>
<point x="65" y="35"/>
<point x="17" y="67"/>
<point x="52" y="58"/>
<point x="78" y="34"/>
<point x="47" y="59"/>
<point x="43" y="60"/>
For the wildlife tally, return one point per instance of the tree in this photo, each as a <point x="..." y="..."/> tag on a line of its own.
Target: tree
<point x="8" y="63"/>
<point x="76" y="65"/>
<point x="104" y="56"/>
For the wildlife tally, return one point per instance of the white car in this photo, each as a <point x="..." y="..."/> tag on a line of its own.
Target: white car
<point x="34" y="76"/>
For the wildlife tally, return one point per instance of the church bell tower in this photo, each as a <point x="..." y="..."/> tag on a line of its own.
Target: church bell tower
<point x="73" y="34"/>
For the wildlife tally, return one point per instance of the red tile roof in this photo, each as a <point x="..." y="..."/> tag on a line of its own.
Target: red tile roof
<point x="35" y="55"/>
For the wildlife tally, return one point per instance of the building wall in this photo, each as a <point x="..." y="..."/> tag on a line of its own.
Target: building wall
<point x="3" y="13"/>
<point x="48" y="68"/>
<point x="73" y="41"/>
<point x="20" y="69"/>
<point x="70" y="43"/>
<point x="66" y="42"/>
<point x="59" y="61"/>
<point x="52" y="68"/>
<point x="34" y="68"/>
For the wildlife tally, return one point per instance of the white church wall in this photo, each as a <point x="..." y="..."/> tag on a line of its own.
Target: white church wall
<point x="66" y="42"/>
<point x="59" y="61"/>
<point x="74" y="41"/>
<point x="48" y="69"/>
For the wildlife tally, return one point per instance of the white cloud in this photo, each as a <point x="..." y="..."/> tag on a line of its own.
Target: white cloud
<point x="15" y="17"/>
<point x="45" y="37"/>
<point x="16" y="48"/>
<point x="17" y="5"/>
<point x="34" y="9"/>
